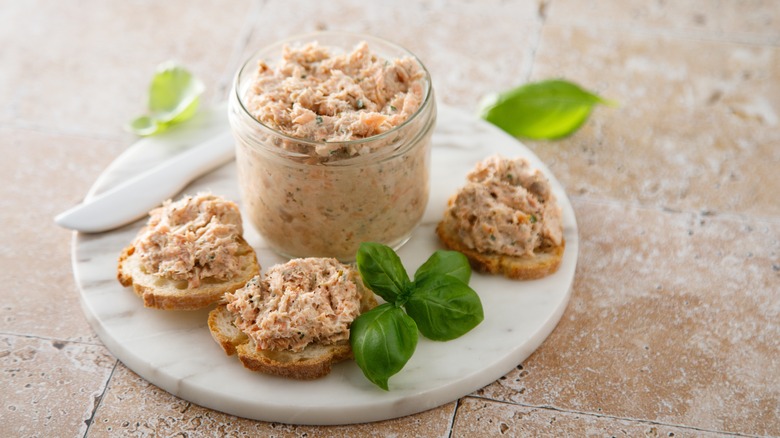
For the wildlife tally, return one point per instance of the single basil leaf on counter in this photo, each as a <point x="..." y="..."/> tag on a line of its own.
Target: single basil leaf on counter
<point x="443" y="262"/>
<point x="174" y="94"/>
<point x="382" y="271"/>
<point x="444" y="307"/>
<point x="383" y="339"/>
<point x="542" y="110"/>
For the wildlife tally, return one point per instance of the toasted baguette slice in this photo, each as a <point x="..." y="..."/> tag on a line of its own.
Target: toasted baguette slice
<point x="163" y="293"/>
<point x="313" y="362"/>
<point x="532" y="267"/>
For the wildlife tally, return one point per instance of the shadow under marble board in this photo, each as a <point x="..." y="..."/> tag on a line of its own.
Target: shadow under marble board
<point x="174" y="349"/>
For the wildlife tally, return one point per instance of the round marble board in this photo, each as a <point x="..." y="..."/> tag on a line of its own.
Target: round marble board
<point x="174" y="349"/>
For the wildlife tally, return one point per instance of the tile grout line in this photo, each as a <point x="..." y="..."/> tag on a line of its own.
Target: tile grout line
<point x="33" y="127"/>
<point x="53" y="340"/>
<point x="452" y="419"/>
<point x="611" y="417"/>
<point x="537" y="39"/>
<point x="226" y="78"/>
<point x="100" y="398"/>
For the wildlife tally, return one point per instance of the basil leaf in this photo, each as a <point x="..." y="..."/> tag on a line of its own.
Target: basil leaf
<point x="174" y="94"/>
<point x="543" y="110"/>
<point x="445" y="263"/>
<point x="382" y="339"/>
<point x="382" y="271"/>
<point x="444" y="307"/>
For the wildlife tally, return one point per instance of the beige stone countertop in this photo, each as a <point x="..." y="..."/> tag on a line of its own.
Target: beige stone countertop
<point x="673" y="326"/>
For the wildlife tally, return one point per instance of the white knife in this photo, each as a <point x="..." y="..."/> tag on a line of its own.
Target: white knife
<point x="134" y="198"/>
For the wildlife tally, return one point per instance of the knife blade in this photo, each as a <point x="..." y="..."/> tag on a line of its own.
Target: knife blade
<point x="133" y="198"/>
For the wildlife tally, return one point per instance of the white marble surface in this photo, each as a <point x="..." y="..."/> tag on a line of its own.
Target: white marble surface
<point x="174" y="350"/>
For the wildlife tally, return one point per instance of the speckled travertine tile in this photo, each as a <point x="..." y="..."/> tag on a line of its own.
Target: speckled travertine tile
<point x="697" y="126"/>
<point x="753" y="21"/>
<point x="673" y="318"/>
<point x="43" y="175"/>
<point x="92" y="63"/>
<point x="446" y="36"/>
<point x="485" y="418"/>
<point x="132" y="407"/>
<point x="673" y="322"/>
<point x="50" y="387"/>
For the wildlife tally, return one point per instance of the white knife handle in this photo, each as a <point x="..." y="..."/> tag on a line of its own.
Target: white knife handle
<point x="134" y="198"/>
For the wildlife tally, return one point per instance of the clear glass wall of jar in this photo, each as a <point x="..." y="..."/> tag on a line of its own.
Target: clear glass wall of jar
<point x="307" y="205"/>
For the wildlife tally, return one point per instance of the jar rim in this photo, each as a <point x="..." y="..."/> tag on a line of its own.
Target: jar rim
<point x="312" y="37"/>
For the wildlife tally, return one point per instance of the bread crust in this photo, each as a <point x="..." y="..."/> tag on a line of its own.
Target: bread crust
<point x="161" y="293"/>
<point x="313" y="362"/>
<point x="540" y="264"/>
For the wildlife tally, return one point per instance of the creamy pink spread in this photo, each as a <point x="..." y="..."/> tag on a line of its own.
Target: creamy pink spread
<point x="191" y="239"/>
<point x="314" y="95"/>
<point x="507" y="207"/>
<point x="304" y="301"/>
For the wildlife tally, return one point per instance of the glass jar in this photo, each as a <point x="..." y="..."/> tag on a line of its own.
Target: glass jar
<point x="305" y="204"/>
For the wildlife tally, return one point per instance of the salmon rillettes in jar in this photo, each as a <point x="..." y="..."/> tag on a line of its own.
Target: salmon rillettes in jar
<point x="333" y="135"/>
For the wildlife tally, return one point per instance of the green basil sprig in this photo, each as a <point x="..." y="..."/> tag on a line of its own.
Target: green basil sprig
<point x="543" y="110"/>
<point x="439" y="303"/>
